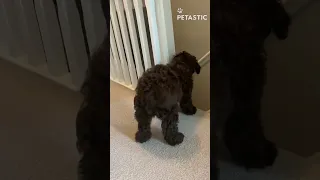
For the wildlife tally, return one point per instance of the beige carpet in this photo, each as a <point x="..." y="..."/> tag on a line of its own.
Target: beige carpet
<point x="37" y="127"/>
<point x="288" y="166"/>
<point x="37" y="138"/>
<point x="155" y="160"/>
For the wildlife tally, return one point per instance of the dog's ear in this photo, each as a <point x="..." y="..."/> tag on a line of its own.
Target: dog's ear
<point x="197" y="68"/>
<point x="193" y="62"/>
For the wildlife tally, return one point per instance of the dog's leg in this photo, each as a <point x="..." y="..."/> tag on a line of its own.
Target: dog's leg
<point x="144" y="121"/>
<point x="83" y="129"/>
<point x="186" y="104"/>
<point x="170" y="118"/>
<point x="244" y="134"/>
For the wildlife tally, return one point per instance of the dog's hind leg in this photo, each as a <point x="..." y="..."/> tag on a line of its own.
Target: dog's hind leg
<point x="144" y="121"/>
<point x="170" y="118"/>
<point x="244" y="136"/>
<point x="186" y="104"/>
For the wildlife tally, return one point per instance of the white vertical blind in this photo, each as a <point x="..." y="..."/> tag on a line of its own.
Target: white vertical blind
<point x="134" y="37"/>
<point x="138" y="6"/>
<point x="126" y="41"/>
<point x="154" y="32"/>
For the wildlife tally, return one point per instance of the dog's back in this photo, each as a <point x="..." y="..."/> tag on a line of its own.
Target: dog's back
<point x="159" y="87"/>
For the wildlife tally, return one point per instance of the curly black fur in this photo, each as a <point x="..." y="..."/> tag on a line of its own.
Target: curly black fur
<point x="240" y="29"/>
<point x="160" y="91"/>
<point x="92" y="118"/>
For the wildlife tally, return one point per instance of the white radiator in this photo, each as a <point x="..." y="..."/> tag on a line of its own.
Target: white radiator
<point x="53" y="38"/>
<point x="141" y="36"/>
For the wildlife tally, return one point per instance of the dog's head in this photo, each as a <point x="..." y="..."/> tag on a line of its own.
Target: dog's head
<point x="186" y="63"/>
<point x="245" y="24"/>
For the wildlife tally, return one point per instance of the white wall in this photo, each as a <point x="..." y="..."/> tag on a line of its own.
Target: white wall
<point x="194" y="37"/>
<point x="291" y="102"/>
<point x="201" y="90"/>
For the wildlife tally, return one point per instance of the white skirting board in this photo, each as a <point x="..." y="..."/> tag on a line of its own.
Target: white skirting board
<point x="42" y="70"/>
<point x="122" y="84"/>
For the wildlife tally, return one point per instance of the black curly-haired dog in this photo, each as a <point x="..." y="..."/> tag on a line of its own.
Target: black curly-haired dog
<point x="240" y="30"/>
<point x="93" y="118"/>
<point x="160" y="92"/>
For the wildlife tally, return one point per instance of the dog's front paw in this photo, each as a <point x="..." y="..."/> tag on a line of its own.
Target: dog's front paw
<point x="175" y="139"/>
<point x="188" y="110"/>
<point x="143" y="136"/>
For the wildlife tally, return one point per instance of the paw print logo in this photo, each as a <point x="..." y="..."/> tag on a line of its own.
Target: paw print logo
<point x="179" y="10"/>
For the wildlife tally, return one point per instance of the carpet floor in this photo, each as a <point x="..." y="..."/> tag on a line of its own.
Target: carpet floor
<point x="37" y="139"/>
<point x="37" y="127"/>
<point x="189" y="161"/>
<point x="155" y="159"/>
